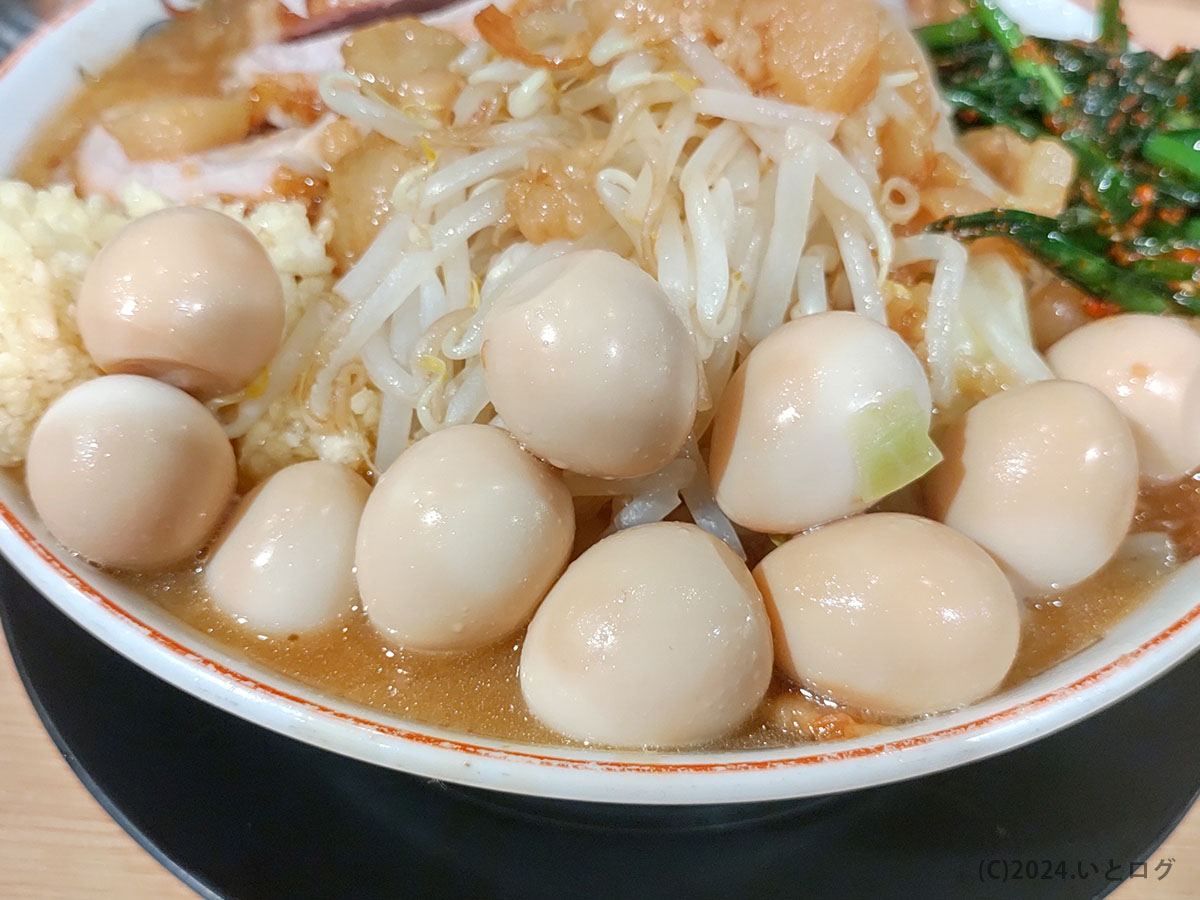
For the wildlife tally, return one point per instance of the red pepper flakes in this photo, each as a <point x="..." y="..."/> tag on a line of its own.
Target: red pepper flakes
<point x="1123" y="256"/>
<point x="1173" y="215"/>
<point x="1099" y="309"/>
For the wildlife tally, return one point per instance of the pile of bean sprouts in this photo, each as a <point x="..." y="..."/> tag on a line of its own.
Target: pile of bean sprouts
<point x="747" y="210"/>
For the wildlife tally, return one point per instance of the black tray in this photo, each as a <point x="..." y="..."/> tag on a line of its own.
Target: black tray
<point x="240" y="813"/>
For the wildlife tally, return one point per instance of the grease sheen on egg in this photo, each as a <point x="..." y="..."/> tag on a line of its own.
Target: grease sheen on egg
<point x="589" y="367"/>
<point x="285" y="559"/>
<point x="130" y="472"/>
<point x="783" y="458"/>
<point x="1044" y="477"/>
<point x="1149" y="366"/>
<point x="654" y="636"/>
<point x="890" y="613"/>
<point x="460" y="540"/>
<point x="185" y="295"/>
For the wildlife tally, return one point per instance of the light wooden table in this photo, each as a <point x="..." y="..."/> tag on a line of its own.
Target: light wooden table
<point x="56" y="843"/>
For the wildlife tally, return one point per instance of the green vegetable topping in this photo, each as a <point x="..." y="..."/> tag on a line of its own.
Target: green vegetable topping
<point x="1150" y="285"/>
<point x="892" y="445"/>
<point x="1114" y="36"/>
<point x="1130" y="234"/>
<point x="1178" y="151"/>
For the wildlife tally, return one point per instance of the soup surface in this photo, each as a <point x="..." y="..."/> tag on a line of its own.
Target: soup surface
<point x="479" y="693"/>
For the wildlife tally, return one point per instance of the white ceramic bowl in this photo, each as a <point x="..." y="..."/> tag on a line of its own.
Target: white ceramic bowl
<point x="42" y="75"/>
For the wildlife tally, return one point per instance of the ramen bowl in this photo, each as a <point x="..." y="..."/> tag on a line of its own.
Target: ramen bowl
<point x="1162" y="631"/>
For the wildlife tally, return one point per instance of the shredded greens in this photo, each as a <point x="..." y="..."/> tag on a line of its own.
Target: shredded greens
<point x="1130" y="234"/>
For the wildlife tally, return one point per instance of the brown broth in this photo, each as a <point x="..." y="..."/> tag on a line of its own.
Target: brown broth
<point x="477" y="692"/>
<point x="1056" y="627"/>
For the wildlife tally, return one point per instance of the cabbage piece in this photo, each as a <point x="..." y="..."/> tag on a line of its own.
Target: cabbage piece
<point x="892" y="446"/>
